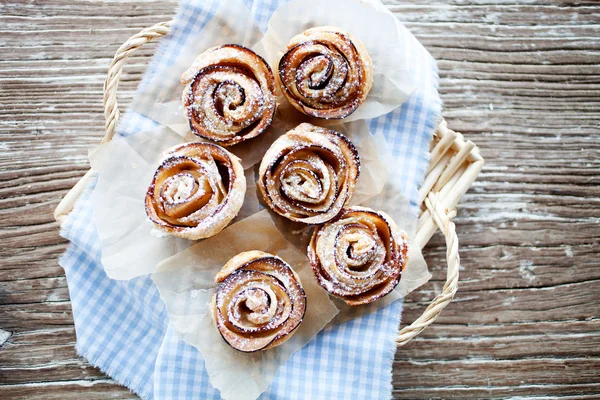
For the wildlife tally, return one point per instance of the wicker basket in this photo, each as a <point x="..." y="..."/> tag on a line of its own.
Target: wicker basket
<point x="454" y="165"/>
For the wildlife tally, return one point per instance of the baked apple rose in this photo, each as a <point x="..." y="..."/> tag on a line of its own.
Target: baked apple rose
<point x="196" y="191"/>
<point x="359" y="256"/>
<point x="309" y="174"/>
<point x="259" y="303"/>
<point x="326" y="72"/>
<point x="229" y="95"/>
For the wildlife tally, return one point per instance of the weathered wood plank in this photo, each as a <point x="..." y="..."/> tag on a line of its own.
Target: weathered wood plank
<point x="99" y="389"/>
<point x="568" y="391"/>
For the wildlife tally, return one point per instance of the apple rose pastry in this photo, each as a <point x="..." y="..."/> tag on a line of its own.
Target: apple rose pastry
<point x="309" y="174"/>
<point x="229" y="95"/>
<point x="326" y="72"/>
<point x="260" y="302"/>
<point x="196" y="191"/>
<point x="359" y="256"/>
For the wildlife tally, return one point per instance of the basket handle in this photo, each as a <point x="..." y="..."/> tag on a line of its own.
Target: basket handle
<point x="441" y="216"/>
<point x="111" y="84"/>
<point x="111" y="107"/>
<point x="443" y="219"/>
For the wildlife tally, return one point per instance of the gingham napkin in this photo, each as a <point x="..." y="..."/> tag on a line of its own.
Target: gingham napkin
<point x="122" y="326"/>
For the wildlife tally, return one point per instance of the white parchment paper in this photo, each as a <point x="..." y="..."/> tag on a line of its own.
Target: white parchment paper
<point x="131" y="246"/>
<point x="160" y="99"/>
<point x="370" y="23"/>
<point x="186" y="284"/>
<point x="233" y="23"/>
<point x="392" y="201"/>
<point x="125" y="167"/>
<point x="379" y="188"/>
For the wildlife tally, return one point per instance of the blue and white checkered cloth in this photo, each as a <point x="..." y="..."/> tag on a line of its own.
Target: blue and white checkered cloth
<point x="122" y="326"/>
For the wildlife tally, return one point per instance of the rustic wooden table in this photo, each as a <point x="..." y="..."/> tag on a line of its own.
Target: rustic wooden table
<point x="521" y="81"/>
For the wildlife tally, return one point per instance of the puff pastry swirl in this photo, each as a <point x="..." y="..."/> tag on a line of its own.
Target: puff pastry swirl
<point x="309" y="174"/>
<point x="229" y="95"/>
<point x="359" y="256"/>
<point x="196" y="191"/>
<point x="260" y="301"/>
<point x="326" y="72"/>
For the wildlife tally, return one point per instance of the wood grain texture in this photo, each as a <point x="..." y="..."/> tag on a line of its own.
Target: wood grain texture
<point x="520" y="79"/>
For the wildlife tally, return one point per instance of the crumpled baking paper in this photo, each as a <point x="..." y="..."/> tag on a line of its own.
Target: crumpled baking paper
<point x="186" y="284"/>
<point x="160" y="100"/>
<point x="131" y="245"/>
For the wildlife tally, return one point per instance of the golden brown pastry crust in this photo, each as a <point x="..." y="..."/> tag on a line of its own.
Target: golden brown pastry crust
<point x="359" y="256"/>
<point x="229" y="95"/>
<point x="260" y="302"/>
<point x="196" y="191"/>
<point x="309" y="174"/>
<point x="326" y="72"/>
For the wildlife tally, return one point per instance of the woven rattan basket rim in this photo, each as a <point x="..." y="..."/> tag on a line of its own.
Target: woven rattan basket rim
<point x="454" y="165"/>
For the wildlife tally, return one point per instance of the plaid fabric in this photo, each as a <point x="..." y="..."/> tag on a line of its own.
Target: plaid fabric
<point x="122" y="326"/>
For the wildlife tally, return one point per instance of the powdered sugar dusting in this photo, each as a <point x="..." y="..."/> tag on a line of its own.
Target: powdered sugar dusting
<point x="309" y="174"/>
<point x="324" y="75"/>
<point x="359" y="256"/>
<point x="189" y="195"/>
<point x="259" y="303"/>
<point x="231" y="96"/>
